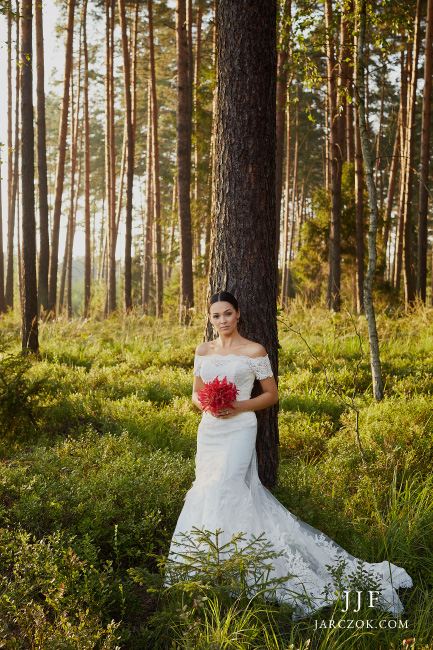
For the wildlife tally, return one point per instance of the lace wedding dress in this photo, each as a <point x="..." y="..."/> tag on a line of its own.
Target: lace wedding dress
<point x="227" y="494"/>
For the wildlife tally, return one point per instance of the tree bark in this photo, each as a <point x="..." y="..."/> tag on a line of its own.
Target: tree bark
<point x="243" y="203"/>
<point x="335" y="151"/>
<point x="183" y="156"/>
<point x="285" y="259"/>
<point x="425" y="157"/>
<point x="398" y="260"/>
<point x="60" y="173"/>
<point x="29" y="332"/>
<point x="409" y="273"/>
<point x="390" y="197"/>
<point x="9" y="141"/>
<point x="109" y="160"/>
<point x="359" y="206"/>
<point x="87" y="249"/>
<point x="127" y="296"/>
<point x="147" y="226"/>
<point x="9" y="289"/>
<point x="199" y="20"/>
<point x="155" y="160"/>
<point x="376" y="371"/>
<point x="281" y="113"/>
<point x="44" y="246"/>
<point x="2" y="273"/>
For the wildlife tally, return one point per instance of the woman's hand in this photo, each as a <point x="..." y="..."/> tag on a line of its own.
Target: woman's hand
<point x="227" y="412"/>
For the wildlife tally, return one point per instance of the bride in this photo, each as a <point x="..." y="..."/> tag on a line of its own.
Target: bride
<point x="227" y="493"/>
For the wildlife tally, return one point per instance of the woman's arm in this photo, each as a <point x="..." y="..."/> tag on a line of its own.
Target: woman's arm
<point x="267" y="398"/>
<point x="198" y="384"/>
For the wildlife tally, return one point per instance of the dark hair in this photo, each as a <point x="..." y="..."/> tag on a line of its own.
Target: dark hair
<point x="224" y="296"/>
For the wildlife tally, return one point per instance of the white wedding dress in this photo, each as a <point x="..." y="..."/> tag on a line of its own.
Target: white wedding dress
<point x="227" y="494"/>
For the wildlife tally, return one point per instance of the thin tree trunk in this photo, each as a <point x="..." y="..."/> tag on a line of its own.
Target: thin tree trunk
<point x="183" y="156"/>
<point x="2" y="272"/>
<point x="213" y="133"/>
<point x="281" y="113"/>
<point x="285" y="260"/>
<point x="376" y="371"/>
<point x="197" y="130"/>
<point x="29" y="332"/>
<point x="155" y="159"/>
<point x="127" y="296"/>
<point x="44" y="247"/>
<point x="74" y="190"/>
<point x="9" y="291"/>
<point x="60" y="173"/>
<point x="405" y="71"/>
<point x="333" y="295"/>
<point x="147" y="255"/>
<point x="409" y="273"/>
<point x="109" y="161"/>
<point x="173" y="219"/>
<point x="350" y="143"/>
<point x="425" y="157"/>
<point x="359" y="203"/>
<point x="294" y="201"/>
<point x="9" y="141"/>
<point x="87" y="249"/>
<point x="390" y="194"/>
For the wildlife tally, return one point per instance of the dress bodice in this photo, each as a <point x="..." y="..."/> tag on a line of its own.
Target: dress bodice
<point x="239" y="369"/>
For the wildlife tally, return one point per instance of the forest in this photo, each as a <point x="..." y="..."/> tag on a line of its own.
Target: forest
<point x="124" y="151"/>
<point x="152" y="153"/>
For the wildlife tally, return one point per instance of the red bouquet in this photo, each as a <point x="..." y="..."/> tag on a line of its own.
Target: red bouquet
<point x="217" y="394"/>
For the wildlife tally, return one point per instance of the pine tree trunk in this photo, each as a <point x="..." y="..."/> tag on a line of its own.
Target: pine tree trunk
<point x="335" y="151"/>
<point x="147" y="227"/>
<point x="197" y="130"/>
<point x="390" y="196"/>
<point x="60" y="172"/>
<point x="87" y="249"/>
<point x="9" y="140"/>
<point x="376" y="371"/>
<point x="183" y="156"/>
<point x="213" y="133"/>
<point x="425" y="158"/>
<point x="29" y="332"/>
<point x="409" y="272"/>
<point x="294" y="198"/>
<point x="2" y="273"/>
<point x="9" y="289"/>
<point x="155" y="160"/>
<point x="109" y="160"/>
<point x="281" y="114"/>
<point x="359" y="203"/>
<point x="398" y="259"/>
<point x="243" y="203"/>
<point x="74" y="189"/>
<point x="285" y="260"/>
<point x="127" y="296"/>
<point x="44" y="252"/>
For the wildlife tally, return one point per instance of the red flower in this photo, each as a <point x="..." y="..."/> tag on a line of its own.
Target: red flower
<point x="217" y="394"/>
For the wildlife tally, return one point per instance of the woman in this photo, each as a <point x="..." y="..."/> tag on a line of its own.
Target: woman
<point x="228" y="495"/>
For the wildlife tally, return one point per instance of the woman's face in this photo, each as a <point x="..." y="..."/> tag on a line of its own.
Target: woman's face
<point x="223" y="317"/>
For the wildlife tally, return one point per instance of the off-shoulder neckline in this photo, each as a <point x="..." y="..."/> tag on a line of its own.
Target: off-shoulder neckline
<point x="218" y="354"/>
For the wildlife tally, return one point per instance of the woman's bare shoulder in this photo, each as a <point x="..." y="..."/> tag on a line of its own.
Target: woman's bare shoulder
<point x="202" y="348"/>
<point x="256" y="350"/>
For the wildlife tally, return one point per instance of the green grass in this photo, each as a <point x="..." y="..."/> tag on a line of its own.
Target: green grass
<point x="97" y="452"/>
